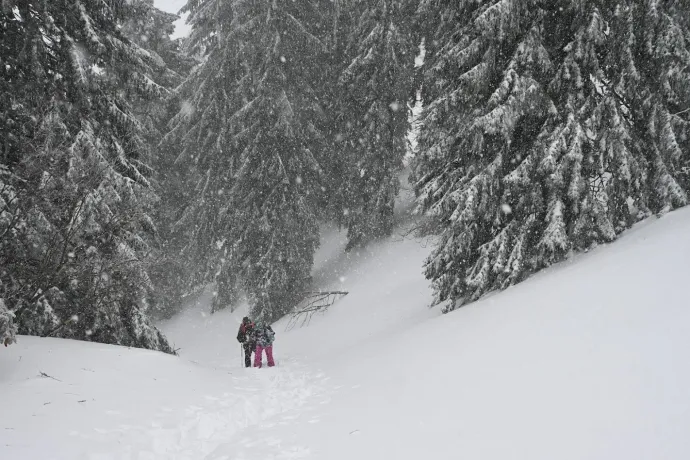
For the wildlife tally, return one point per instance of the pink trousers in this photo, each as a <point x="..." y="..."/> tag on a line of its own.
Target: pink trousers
<point x="269" y="355"/>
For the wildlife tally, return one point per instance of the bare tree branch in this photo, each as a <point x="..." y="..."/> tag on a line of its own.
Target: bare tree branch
<point x="313" y="302"/>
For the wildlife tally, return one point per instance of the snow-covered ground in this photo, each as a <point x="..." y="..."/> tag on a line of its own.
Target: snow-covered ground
<point x="587" y="360"/>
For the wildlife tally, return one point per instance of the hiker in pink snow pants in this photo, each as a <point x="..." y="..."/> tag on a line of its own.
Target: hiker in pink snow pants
<point x="264" y="341"/>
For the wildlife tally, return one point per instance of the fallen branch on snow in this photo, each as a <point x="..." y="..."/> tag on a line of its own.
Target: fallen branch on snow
<point x="43" y="374"/>
<point x="313" y="302"/>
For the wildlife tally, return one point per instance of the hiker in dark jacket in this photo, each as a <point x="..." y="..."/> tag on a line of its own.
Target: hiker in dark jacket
<point x="246" y="337"/>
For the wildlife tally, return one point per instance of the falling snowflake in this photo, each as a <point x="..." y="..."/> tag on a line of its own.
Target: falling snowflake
<point x="505" y="207"/>
<point x="395" y="106"/>
<point x="298" y="180"/>
<point x="186" y="108"/>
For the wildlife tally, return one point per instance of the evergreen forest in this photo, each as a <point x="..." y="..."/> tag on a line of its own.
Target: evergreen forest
<point x="137" y="169"/>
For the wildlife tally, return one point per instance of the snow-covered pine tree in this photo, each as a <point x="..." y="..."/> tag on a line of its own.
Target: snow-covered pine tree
<point x="73" y="242"/>
<point x="278" y="178"/>
<point x="150" y="28"/>
<point x="201" y="157"/>
<point x="335" y="188"/>
<point x="652" y="80"/>
<point x="248" y="131"/>
<point x="372" y="99"/>
<point x="549" y="126"/>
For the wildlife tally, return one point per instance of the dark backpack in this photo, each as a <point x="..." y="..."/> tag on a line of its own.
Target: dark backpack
<point x="246" y="332"/>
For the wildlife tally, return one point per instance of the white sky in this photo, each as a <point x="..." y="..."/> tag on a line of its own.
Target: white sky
<point x="173" y="6"/>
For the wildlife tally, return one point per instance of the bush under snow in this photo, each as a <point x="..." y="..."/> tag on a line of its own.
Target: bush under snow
<point x="7" y="326"/>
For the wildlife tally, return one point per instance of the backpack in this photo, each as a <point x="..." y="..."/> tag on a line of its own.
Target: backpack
<point x="246" y="332"/>
<point x="265" y="335"/>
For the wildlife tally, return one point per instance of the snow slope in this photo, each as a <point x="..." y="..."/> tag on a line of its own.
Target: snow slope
<point x="587" y="360"/>
<point x="63" y="399"/>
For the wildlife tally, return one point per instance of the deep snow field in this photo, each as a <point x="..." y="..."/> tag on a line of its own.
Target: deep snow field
<point x="587" y="360"/>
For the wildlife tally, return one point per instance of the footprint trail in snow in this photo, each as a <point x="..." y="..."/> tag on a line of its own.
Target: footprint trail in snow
<point x="255" y="399"/>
